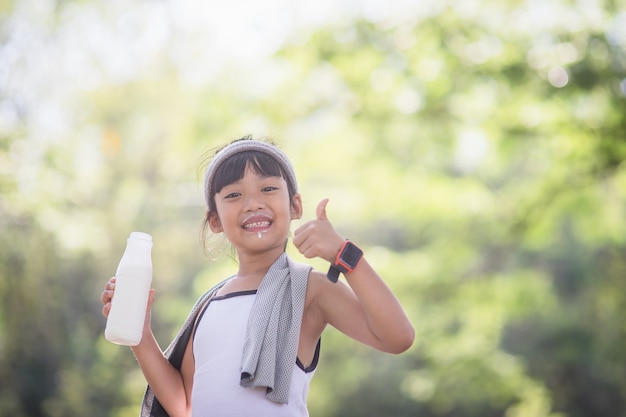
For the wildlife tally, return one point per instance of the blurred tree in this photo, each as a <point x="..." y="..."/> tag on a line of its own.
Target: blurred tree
<point x="478" y="161"/>
<point x="501" y="151"/>
<point x="50" y="362"/>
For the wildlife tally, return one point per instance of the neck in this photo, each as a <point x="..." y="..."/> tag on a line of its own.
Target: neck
<point x="256" y="265"/>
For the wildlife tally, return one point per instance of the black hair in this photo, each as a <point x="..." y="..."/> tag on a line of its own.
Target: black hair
<point x="234" y="169"/>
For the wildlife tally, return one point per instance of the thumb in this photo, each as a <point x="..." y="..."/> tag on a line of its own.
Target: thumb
<point x="321" y="210"/>
<point x="150" y="299"/>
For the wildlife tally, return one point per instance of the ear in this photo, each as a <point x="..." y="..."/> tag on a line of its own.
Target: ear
<point x="296" y="207"/>
<point x="214" y="222"/>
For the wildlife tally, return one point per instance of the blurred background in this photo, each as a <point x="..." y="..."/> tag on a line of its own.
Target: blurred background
<point x="473" y="148"/>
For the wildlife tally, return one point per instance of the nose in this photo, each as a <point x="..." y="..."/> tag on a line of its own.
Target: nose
<point x="254" y="201"/>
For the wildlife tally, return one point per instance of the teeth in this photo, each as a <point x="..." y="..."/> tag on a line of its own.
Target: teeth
<point x="256" y="224"/>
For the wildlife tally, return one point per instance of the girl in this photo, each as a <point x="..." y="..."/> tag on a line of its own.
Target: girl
<point x="250" y="344"/>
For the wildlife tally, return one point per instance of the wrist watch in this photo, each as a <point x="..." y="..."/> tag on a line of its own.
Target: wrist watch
<point x="347" y="259"/>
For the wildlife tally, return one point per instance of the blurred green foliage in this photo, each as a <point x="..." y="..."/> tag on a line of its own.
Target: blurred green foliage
<point x="474" y="149"/>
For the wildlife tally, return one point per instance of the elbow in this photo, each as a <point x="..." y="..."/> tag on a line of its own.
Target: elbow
<point x="403" y="341"/>
<point x="406" y="343"/>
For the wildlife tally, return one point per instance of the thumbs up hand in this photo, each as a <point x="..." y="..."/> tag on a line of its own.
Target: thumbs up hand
<point x="318" y="238"/>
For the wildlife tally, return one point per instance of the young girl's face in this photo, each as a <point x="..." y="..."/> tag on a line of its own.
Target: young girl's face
<point x="253" y="206"/>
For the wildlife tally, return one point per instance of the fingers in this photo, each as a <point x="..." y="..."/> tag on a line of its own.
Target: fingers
<point x="321" y="210"/>
<point x="109" y="289"/>
<point x="318" y="238"/>
<point x="150" y="299"/>
<point x="107" y="296"/>
<point x="106" y="309"/>
<point x="148" y="319"/>
<point x="109" y="292"/>
<point x="320" y="215"/>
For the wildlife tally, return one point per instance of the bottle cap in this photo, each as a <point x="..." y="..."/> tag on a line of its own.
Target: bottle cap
<point x="141" y="235"/>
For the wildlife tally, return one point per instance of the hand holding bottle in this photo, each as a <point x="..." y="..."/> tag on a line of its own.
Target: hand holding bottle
<point x="126" y="312"/>
<point x="109" y="292"/>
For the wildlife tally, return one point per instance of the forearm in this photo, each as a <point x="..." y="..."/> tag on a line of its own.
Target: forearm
<point x="165" y="381"/>
<point x="369" y="312"/>
<point x="384" y="314"/>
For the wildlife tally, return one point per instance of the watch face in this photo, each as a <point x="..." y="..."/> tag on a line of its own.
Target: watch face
<point x="351" y="255"/>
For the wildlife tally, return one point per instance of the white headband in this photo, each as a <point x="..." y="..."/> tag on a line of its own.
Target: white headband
<point x="244" y="145"/>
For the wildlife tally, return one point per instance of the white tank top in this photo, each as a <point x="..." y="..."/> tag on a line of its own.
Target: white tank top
<point x="217" y="349"/>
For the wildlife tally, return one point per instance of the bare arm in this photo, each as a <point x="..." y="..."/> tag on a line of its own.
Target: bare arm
<point x="170" y="386"/>
<point x="366" y="309"/>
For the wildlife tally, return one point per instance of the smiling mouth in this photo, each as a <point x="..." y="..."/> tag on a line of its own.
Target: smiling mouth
<point x="257" y="225"/>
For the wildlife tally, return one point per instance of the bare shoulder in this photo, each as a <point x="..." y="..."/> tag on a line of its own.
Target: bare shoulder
<point x="313" y="321"/>
<point x="314" y="288"/>
<point x="326" y="298"/>
<point x="318" y="289"/>
<point x="319" y="285"/>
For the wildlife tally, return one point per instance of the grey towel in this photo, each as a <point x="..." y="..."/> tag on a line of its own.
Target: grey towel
<point x="273" y="334"/>
<point x="272" y="337"/>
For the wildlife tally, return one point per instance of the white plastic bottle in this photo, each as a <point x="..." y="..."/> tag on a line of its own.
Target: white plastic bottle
<point x="134" y="278"/>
